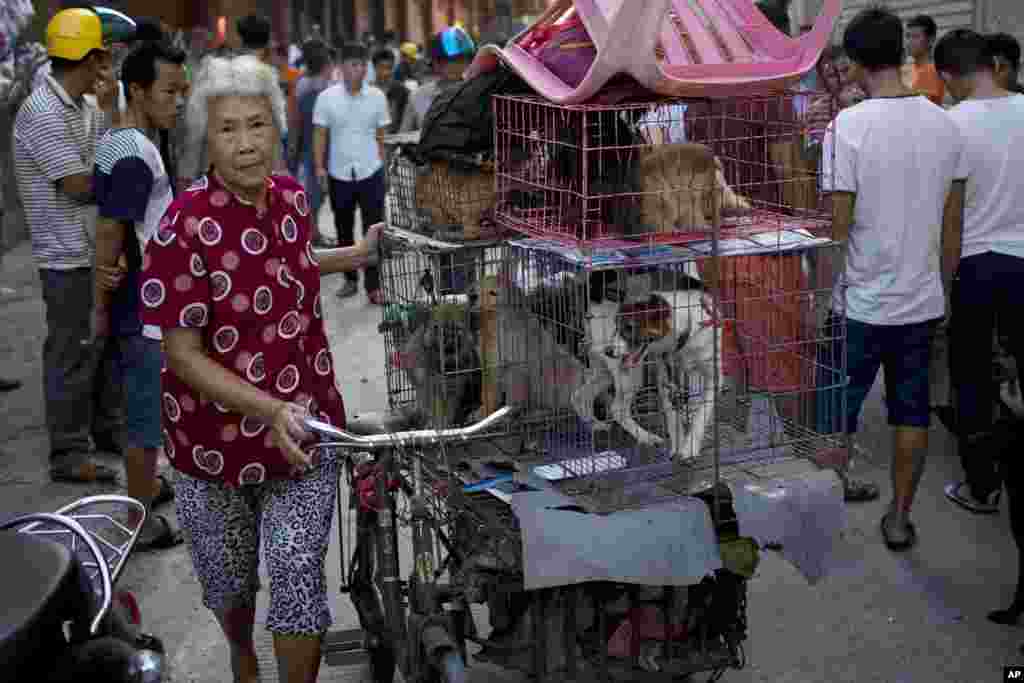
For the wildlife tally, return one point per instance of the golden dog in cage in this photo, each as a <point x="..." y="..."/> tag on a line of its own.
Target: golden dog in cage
<point x="683" y="187"/>
<point x="457" y="199"/>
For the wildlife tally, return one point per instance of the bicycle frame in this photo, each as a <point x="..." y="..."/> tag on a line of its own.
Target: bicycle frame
<point x="423" y="635"/>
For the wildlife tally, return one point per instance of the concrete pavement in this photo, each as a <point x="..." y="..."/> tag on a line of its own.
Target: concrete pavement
<point x="913" y="618"/>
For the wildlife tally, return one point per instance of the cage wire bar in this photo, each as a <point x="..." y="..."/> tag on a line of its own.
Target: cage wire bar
<point x="658" y="170"/>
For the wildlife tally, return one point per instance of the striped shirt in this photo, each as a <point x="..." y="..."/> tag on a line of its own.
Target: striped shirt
<point x="55" y="137"/>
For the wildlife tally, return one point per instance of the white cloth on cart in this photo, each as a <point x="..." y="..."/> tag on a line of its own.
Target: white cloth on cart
<point x="671" y="544"/>
<point x="805" y="514"/>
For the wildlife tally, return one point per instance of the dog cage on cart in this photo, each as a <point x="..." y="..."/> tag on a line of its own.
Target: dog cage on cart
<point x="661" y="325"/>
<point x="449" y="197"/>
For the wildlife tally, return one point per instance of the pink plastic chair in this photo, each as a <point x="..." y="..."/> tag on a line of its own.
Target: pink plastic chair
<point x="712" y="48"/>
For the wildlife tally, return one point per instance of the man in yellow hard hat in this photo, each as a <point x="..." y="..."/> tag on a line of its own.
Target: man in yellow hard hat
<point x="55" y="135"/>
<point x="409" y="64"/>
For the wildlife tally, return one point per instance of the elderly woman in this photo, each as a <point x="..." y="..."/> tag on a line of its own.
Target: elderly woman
<point x="232" y="279"/>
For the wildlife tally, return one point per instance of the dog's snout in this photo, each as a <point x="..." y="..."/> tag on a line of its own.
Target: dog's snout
<point x="610" y="352"/>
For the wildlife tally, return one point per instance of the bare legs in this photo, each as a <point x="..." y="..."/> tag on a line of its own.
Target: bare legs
<point x="910" y="446"/>
<point x="238" y="625"/>
<point x="298" y="657"/>
<point x="140" y="471"/>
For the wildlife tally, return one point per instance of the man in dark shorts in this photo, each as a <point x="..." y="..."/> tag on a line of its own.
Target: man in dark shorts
<point x="133" y="191"/>
<point x="894" y="168"/>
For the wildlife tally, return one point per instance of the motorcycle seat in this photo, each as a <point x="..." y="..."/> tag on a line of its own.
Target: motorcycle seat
<point x="42" y="588"/>
<point x="370" y="423"/>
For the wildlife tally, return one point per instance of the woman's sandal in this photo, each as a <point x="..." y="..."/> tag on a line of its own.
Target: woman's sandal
<point x="165" y="494"/>
<point x="897" y="546"/>
<point x="167" y="538"/>
<point x="859" y="491"/>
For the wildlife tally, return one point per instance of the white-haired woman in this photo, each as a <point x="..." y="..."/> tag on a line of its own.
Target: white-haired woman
<point x="232" y="279"/>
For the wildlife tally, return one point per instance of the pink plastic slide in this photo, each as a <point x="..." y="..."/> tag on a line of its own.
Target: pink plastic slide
<point x="712" y="48"/>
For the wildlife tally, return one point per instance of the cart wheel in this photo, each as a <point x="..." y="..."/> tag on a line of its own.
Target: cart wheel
<point x="382" y="663"/>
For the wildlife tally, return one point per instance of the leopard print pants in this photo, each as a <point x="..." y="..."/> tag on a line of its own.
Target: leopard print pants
<point x="224" y="526"/>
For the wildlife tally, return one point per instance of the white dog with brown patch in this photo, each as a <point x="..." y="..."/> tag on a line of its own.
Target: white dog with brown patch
<point x="672" y="331"/>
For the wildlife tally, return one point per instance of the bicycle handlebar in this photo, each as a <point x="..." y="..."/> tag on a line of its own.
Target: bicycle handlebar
<point x="339" y="438"/>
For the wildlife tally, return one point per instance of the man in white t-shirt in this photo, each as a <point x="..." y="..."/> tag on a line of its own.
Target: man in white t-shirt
<point x="355" y="116"/>
<point x="991" y="263"/>
<point x="891" y="163"/>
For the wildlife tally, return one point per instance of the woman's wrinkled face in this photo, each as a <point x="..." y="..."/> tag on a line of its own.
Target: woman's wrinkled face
<point x="242" y="138"/>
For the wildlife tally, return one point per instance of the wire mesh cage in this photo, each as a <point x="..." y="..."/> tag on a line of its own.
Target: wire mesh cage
<point x="450" y="198"/>
<point x="401" y="206"/>
<point x="658" y="170"/>
<point x="439" y="327"/>
<point x="645" y="371"/>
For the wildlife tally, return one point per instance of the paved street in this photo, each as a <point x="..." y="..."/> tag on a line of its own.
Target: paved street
<point x="914" y="618"/>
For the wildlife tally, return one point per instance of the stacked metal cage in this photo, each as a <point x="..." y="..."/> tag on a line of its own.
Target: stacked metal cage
<point x="666" y="321"/>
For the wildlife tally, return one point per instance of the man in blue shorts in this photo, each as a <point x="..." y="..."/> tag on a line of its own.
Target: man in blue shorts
<point x="893" y="165"/>
<point x="133" y="190"/>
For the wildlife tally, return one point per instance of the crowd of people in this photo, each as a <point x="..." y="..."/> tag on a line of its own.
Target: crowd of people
<point x="182" y="288"/>
<point x="180" y="258"/>
<point x="924" y="196"/>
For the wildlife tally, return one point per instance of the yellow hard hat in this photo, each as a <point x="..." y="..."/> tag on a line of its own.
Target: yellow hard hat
<point x="73" y="33"/>
<point x="410" y="50"/>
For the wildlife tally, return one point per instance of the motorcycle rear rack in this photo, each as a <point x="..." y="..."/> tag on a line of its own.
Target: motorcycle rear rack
<point x="95" y="530"/>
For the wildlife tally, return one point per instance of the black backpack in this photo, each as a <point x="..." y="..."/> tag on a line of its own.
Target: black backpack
<point x="460" y="121"/>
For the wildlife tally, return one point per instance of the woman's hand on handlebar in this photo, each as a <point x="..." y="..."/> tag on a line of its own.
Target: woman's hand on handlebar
<point x="290" y="433"/>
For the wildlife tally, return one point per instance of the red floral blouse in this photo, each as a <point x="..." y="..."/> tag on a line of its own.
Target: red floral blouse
<point x="250" y="281"/>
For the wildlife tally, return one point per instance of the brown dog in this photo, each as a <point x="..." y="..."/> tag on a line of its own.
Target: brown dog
<point x="456" y="198"/>
<point x="684" y="188"/>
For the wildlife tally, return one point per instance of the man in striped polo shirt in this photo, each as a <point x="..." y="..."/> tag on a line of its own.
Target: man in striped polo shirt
<point x="55" y="136"/>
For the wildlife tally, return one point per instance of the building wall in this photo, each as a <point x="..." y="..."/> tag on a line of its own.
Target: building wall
<point x="948" y="14"/>
<point x="1006" y="16"/>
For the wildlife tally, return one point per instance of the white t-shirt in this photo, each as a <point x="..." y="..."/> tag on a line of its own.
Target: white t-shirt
<point x="900" y="157"/>
<point x="352" y="122"/>
<point x="993" y="131"/>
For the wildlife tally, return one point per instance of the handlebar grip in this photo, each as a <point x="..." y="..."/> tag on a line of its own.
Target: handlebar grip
<point x="339" y="437"/>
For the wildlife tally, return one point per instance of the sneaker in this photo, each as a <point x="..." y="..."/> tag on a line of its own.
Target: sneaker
<point x="960" y="493"/>
<point x="376" y="297"/>
<point x="348" y="290"/>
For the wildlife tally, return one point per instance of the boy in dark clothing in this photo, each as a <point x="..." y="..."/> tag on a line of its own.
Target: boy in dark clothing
<point x="319" y="63"/>
<point x="394" y="89"/>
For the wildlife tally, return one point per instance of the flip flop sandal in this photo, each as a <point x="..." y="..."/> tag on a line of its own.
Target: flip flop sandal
<point x="165" y="494"/>
<point x="898" y="546"/>
<point x="83" y="473"/>
<point x="168" y="538"/>
<point x="857" y="491"/>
